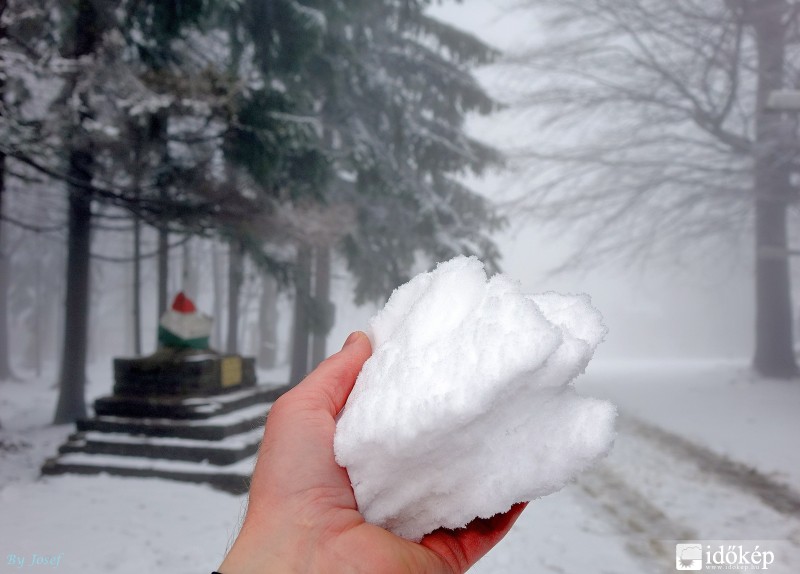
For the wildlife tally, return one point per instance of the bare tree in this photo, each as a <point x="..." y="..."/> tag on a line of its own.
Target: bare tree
<point x="235" y="279"/>
<point x="217" y="283"/>
<point x="5" y="359"/>
<point x="655" y="139"/>
<point x="302" y="319"/>
<point x="268" y="323"/>
<point x="324" y="307"/>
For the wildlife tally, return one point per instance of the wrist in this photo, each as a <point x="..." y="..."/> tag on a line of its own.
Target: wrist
<point x="270" y="550"/>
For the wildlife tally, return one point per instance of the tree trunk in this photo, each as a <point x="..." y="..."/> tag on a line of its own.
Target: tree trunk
<point x="268" y="323"/>
<point x="323" y="306"/>
<point x="774" y="353"/>
<point x="72" y="382"/>
<point x="159" y="131"/>
<point x="137" y="285"/>
<point x="5" y="356"/>
<point x="189" y="280"/>
<point x="216" y="279"/>
<point x="163" y="271"/>
<point x="39" y="311"/>
<point x="302" y="302"/>
<point x="235" y="274"/>
<point x="136" y="291"/>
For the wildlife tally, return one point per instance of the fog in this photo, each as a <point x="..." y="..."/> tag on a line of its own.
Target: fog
<point x="693" y="307"/>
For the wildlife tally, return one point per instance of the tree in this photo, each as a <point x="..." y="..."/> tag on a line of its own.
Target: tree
<point x="81" y="41"/>
<point x="235" y="279"/>
<point x="23" y="35"/>
<point x="267" y="323"/>
<point x="773" y="190"/>
<point x="5" y="359"/>
<point x="392" y="88"/>
<point x="323" y="307"/>
<point x="301" y="328"/>
<point x="395" y="87"/>
<point x="655" y="138"/>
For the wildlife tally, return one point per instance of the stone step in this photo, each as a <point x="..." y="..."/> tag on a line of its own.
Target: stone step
<point x="172" y="407"/>
<point x="234" y="478"/>
<point x="215" y="427"/>
<point x="217" y="452"/>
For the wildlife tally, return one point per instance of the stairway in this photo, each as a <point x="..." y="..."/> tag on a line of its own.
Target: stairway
<point x="209" y="439"/>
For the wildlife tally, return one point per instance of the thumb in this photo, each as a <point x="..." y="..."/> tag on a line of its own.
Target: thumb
<point x="332" y="381"/>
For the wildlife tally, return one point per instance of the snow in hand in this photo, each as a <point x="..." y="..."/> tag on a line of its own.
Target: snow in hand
<point x="465" y="406"/>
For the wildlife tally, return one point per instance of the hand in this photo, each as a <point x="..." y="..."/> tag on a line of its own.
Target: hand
<point x="302" y="514"/>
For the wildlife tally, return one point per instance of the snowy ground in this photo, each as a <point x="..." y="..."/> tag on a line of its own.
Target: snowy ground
<point x="704" y="453"/>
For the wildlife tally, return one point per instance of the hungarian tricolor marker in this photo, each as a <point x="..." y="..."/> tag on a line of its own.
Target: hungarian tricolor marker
<point x="183" y="326"/>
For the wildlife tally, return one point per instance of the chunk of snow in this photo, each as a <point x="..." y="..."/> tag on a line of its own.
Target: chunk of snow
<point x="466" y="406"/>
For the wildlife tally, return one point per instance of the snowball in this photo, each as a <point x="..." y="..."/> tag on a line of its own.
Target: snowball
<point x="465" y="406"/>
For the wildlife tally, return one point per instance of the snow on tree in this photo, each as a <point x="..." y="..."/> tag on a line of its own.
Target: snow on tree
<point x="395" y="88"/>
<point x="392" y="87"/>
<point x="267" y="124"/>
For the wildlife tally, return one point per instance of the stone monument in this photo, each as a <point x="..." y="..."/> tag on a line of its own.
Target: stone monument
<point x="186" y="412"/>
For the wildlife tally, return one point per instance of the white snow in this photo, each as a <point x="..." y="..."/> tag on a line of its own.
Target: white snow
<point x="234" y="442"/>
<point x="465" y="406"/>
<point x="109" y="524"/>
<point x="245" y="414"/>
<point x="222" y="399"/>
<point x="628" y="515"/>
<point x="243" y="467"/>
<point x="720" y="404"/>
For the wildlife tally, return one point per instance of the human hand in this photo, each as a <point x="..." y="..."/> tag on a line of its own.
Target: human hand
<point x="302" y="514"/>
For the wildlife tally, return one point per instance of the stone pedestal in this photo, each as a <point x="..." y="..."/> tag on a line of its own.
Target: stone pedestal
<point x="182" y="372"/>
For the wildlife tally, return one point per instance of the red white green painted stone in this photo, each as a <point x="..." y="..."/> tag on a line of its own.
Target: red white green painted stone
<point x="183" y="326"/>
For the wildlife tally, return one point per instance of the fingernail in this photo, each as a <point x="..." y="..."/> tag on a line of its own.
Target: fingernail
<point x="354" y="336"/>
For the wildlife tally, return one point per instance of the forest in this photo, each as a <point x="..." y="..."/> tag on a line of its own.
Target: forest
<point x="249" y="142"/>
<point x="252" y="150"/>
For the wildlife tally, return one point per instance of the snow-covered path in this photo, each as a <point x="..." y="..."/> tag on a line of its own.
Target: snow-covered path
<point x="666" y="480"/>
<point x="655" y="489"/>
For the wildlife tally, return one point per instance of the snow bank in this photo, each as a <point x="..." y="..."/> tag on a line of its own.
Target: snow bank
<point x="465" y="406"/>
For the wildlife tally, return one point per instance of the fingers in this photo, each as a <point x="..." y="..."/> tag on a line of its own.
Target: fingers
<point x="463" y="547"/>
<point x="329" y="385"/>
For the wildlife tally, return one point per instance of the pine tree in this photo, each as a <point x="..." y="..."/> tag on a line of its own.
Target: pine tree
<point x="24" y="38"/>
<point x="395" y="89"/>
<point x="81" y="42"/>
<point x="392" y="88"/>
